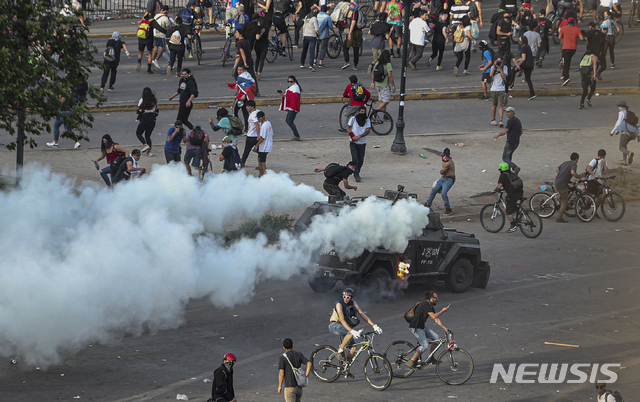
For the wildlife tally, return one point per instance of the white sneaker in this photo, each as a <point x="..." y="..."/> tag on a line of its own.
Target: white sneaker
<point x="455" y="71"/>
<point x="52" y="144"/>
<point x="77" y="145"/>
<point x="465" y="72"/>
<point x="149" y="153"/>
<point x="155" y="64"/>
<point x="145" y="148"/>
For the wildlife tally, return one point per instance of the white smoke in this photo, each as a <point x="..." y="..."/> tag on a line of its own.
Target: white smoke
<point x="82" y="264"/>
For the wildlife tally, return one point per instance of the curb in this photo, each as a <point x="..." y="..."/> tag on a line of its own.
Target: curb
<point x="335" y="99"/>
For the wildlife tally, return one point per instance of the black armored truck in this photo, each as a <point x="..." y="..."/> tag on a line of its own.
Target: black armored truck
<point x="438" y="253"/>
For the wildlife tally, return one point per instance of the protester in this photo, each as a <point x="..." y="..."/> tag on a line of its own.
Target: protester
<point x="290" y="103"/>
<point x="265" y="142"/>
<point x="110" y="150"/>
<point x="359" y="127"/>
<point x="188" y="91"/>
<point x="147" y="114"/>
<point x="112" y="59"/>
<point x="172" y="148"/>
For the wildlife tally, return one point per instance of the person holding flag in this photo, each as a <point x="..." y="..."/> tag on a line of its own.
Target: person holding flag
<point x="290" y="103"/>
<point x="245" y="86"/>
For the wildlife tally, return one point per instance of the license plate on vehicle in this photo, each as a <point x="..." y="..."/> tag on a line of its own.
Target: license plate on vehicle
<point x="328" y="273"/>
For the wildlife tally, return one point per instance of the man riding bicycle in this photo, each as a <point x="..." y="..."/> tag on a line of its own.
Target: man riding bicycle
<point x="514" y="190"/>
<point x="190" y="18"/>
<point x="418" y="328"/>
<point x="344" y="319"/>
<point x="282" y="9"/>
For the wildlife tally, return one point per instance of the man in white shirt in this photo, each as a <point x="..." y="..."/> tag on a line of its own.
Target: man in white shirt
<point x="603" y="394"/>
<point x="265" y="142"/>
<point x="498" y="95"/>
<point x="359" y="126"/>
<point x="628" y="131"/>
<point x="160" y="39"/>
<point x="418" y="30"/>
<point x="253" y="129"/>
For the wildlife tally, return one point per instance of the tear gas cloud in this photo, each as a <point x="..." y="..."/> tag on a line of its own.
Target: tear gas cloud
<point x="82" y="264"/>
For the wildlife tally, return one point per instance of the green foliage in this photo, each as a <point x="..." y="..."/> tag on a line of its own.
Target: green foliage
<point x="270" y="225"/>
<point x="44" y="55"/>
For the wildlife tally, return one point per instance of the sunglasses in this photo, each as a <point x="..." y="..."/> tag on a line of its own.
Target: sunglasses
<point x="290" y="82"/>
<point x="347" y="297"/>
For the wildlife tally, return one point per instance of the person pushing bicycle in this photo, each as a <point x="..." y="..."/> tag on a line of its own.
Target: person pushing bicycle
<point x="344" y="319"/>
<point x="418" y="327"/>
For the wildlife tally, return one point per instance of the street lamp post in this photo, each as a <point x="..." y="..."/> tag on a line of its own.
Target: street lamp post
<point x="399" y="146"/>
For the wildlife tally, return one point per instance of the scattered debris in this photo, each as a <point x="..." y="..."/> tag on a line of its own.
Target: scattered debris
<point x="376" y="146"/>
<point x="609" y="288"/>
<point x="236" y="316"/>
<point x="422" y="156"/>
<point x="544" y="112"/>
<point x="597" y="94"/>
<point x="206" y="380"/>
<point x="545" y="304"/>
<point x="484" y="171"/>
<point x="62" y="375"/>
<point x="182" y="397"/>
<point x="561" y="344"/>
<point x="76" y="397"/>
<point x="14" y="361"/>
<point x="459" y="144"/>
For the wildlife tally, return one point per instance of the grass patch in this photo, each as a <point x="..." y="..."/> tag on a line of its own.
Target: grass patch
<point x="269" y="224"/>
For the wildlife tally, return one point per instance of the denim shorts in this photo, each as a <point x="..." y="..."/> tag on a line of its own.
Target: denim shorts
<point x="424" y="336"/>
<point x="339" y="329"/>
<point x="192" y="154"/>
<point x="159" y="41"/>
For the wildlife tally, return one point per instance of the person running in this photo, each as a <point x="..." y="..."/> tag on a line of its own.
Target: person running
<point x="628" y="131"/>
<point x="588" y="75"/>
<point x="526" y="63"/>
<point x="418" y="30"/>
<point x="543" y="28"/>
<point x="111" y="151"/>
<point x="383" y="83"/>
<point x="177" y="35"/>
<point x="146" y="42"/>
<point x="439" y="41"/>
<point x="487" y="62"/>
<point x="147" y="114"/>
<point x="112" y="59"/>
<point x="569" y="34"/>
<point x="464" y="47"/>
<point x="290" y="103"/>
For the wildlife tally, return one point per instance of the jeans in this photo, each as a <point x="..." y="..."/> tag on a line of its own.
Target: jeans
<point x="339" y="329"/>
<point x="417" y="53"/>
<point x="308" y="44"/>
<point x="357" y="154"/>
<point x="444" y="185"/>
<point x="423" y="336"/>
<point x="567" y="55"/>
<point x="104" y="172"/>
<point x="291" y="116"/>
<point x="323" y="49"/>
<point x="60" y="121"/>
<point x="507" y="154"/>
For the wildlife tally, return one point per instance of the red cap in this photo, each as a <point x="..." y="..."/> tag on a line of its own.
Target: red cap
<point x="571" y="20"/>
<point x="230" y="356"/>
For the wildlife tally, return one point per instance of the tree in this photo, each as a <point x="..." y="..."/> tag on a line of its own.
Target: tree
<point x="45" y="58"/>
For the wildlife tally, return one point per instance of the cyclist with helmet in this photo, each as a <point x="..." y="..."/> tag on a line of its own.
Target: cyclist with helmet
<point x="514" y="192"/>
<point x="223" y="380"/>
<point x="344" y="319"/>
<point x="191" y="18"/>
<point x="418" y="327"/>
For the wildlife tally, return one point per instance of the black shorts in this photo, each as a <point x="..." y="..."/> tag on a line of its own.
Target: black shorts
<point x="172" y="157"/>
<point x="279" y="22"/>
<point x="512" y="203"/>
<point x="396" y="31"/>
<point x="593" y="187"/>
<point x="207" y="4"/>
<point x="143" y="45"/>
<point x="486" y="77"/>
<point x="262" y="156"/>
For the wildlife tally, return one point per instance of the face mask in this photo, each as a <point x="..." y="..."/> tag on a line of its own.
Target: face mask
<point x="229" y="365"/>
<point x="445" y="158"/>
<point x="361" y="119"/>
<point x="621" y="108"/>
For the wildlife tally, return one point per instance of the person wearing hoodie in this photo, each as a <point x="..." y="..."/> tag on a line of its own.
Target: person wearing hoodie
<point x="177" y="35"/>
<point x="188" y="91"/>
<point x="111" y="66"/>
<point x="310" y="33"/>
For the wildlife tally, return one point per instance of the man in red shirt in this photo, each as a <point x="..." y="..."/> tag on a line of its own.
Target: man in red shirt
<point x="358" y="96"/>
<point x="569" y="34"/>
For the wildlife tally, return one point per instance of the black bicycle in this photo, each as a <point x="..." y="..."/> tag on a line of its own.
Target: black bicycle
<point x="580" y="204"/>
<point x="381" y="120"/>
<point x="277" y="48"/>
<point x="492" y="217"/>
<point x="454" y="365"/>
<point x="612" y="205"/>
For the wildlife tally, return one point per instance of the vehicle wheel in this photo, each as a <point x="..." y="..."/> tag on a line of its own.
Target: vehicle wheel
<point x="197" y="46"/>
<point x="381" y="122"/>
<point x="321" y="284"/>
<point x="272" y="52"/>
<point x="377" y="372"/>
<point x="342" y="112"/>
<point x="530" y="223"/>
<point x="334" y="47"/>
<point x="454" y="367"/>
<point x="217" y="24"/>
<point x="619" y="31"/>
<point x="586" y="208"/>
<point x="460" y="277"/>
<point x="325" y="363"/>
<point x="377" y="284"/>
<point x="613" y="207"/>
<point x="289" y="47"/>
<point x="543" y="204"/>
<point x="398" y="354"/>
<point x="492" y="218"/>
<point x="570" y="211"/>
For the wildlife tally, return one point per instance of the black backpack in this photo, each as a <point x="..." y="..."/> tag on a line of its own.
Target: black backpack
<point x="234" y="163"/>
<point x="436" y="7"/>
<point x="115" y="165"/>
<point x="615" y="394"/>
<point x="378" y="72"/>
<point x="631" y="119"/>
<point x="333" y="169"/>
<point x="408" y="316"/>
<point x="516" y="181"/>
<point x="197" y="138"/>
<point x="357" y="92"/>
<point x="109" y="54"/>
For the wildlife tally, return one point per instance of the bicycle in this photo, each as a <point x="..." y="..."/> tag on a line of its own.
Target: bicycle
<point x="454" y="365"/>
<point x="381" y="120"/>
<point x="632" y="12"/>
<point x="335" y="44"/>
<point x="327" y="367"/>
<point x="228" y="42"/>
<point x="276" y="48"/>
<point x="555" y="23"/>
<point x="219" y="18"/>
<point x="197" y="43"/>
<point x="612" y="205"/>
<point x="492" y="217"/>
<point x="580" y="204"/>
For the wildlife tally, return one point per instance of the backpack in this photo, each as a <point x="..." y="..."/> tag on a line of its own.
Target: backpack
<point x="333" y="169"/>
<point x="408" y="316"/>
<point x="473" y="10"/>
<point x="527" y="17"/>
<point x="436" y="7"/>
<point x="631" y="119"/>
<point x="493" y="32"/>
<point x="176" y="38"/>
<point x="186" y="15"/>
<point x="143" y="28"/>
<point x="115" y="165"/>
<point x="197" y="138"/>
<point x="350" y="316"/>
<point x="615" y="394"/>
<point x="236" y="126"/>
<point x="586" y="65"/>
<point x="458" y="36"/>
<point x="357" y="92"/>
<point x="515" y="180"/>
<point x="110" y="54"/>
<point x="378" y="72"/>
<point x="299" y="373"/>
<point x="361" y="20"/>
<point x="234" y="163"/>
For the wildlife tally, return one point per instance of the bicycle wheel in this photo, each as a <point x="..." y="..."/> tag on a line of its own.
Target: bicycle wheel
<point x="555" y="33"/>
<point x="570" y="211"/>
<point x="398" y="354"/>
<point x="334" y="47"/>
<point x="272" y="51"/>
<point x="377" y="372"/>
<point x="619" y="31"/>
<point x="632" y="13"/>
<point x="381" y="122"/>
<point x="613" y="206"/>
<point x="217" y="22"/>
<point x="530" y="223"/>
<point x="289" y="47"/>
<point x="342" y="111"/>
<point x="225" y="51"/>
<point x="454" y="367"/>
<point x="197" y="47"/>
<point x="586" y="208"/>
<point x="543" y="204"/>
<point x="492" y="218"/>
<point x="325" y="362"/>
